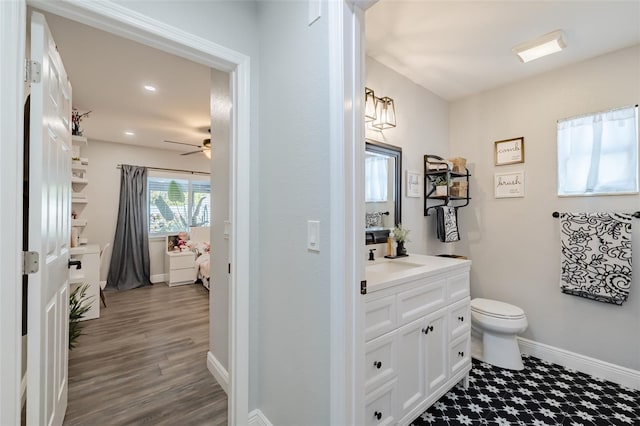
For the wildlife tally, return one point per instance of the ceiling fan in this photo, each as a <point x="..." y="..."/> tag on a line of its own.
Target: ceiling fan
<point x="206" y="146"/>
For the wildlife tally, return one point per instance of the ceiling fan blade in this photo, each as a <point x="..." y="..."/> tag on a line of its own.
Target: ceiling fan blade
<point x="181" y="143"/>
<point x="191" y="152"/>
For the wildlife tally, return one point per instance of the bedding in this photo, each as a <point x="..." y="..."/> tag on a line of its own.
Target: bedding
<point x="199" y="244"/>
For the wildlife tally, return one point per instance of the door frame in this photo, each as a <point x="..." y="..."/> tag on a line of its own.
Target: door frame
<point x="119" y="20"/>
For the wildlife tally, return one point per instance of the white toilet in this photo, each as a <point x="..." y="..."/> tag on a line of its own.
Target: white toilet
<point x="494" y="329"/>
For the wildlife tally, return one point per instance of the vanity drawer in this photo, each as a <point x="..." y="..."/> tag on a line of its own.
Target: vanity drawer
<point x="380" y="363"/>
<point x="380" y="406"/>
<point x="379" y="317"/>
<point x="460" y="354"/>
<point x="460" y="318"/>
<point x="420" y="301"/>
<point x="458" y="286"/>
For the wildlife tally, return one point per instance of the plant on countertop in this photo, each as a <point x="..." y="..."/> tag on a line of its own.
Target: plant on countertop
<point x="400" y="233"/>
<point x="78" y="307"/>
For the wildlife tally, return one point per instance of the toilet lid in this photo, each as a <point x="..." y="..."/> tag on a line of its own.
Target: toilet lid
<point x="496" y="309"/>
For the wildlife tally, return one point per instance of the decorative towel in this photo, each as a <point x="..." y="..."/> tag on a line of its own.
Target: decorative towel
<point x="596" y="255"/>
<point x="447" y="224"/>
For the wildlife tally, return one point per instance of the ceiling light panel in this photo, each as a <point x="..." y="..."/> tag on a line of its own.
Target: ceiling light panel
<point x="542" y="46"/>
<point x="149" y="88"/>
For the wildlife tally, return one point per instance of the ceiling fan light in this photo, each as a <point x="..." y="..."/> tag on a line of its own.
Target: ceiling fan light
<point x="542" y="46"/>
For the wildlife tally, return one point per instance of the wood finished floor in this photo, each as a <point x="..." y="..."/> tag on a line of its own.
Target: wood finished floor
<point x="144" y="362"/>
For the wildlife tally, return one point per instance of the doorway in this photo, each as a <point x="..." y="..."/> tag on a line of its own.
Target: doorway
<point x="164" y="37"/>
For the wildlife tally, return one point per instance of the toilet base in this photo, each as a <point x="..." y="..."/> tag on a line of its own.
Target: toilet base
<point x="501" y="350"/>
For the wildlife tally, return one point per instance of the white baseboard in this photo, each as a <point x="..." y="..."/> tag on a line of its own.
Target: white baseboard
<point x="256" y="418"/>
<point x="159" y="278"/>
<point x="219" y="372"/>
<point x="595" y="367"/>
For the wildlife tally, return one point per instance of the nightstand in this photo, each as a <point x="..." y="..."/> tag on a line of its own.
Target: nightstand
<point x="180" y="267"/>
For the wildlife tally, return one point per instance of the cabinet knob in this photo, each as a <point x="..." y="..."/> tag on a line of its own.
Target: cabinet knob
<point x="427" y="329"/>
<point x="377" y="364"/>
<point x="461" y="319"/>
<point x="377" y="415"/>
<point x="460" y="354"/>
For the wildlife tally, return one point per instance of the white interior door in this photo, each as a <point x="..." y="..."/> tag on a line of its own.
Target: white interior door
<point x="49" y="231"/>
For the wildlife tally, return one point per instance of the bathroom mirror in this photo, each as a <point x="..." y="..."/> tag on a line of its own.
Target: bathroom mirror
<point x="382" y="188"/>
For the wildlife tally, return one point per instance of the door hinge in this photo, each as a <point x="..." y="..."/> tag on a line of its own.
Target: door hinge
<point x="363" y="287"/>
<point x="30" y="262"/>
<point x="32" y="71"/>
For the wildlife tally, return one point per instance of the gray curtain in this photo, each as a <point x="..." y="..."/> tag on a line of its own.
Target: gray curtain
<point x="129" y="267"/>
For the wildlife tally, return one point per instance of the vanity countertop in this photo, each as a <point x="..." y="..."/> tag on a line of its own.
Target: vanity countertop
<point x="384" y="273"/>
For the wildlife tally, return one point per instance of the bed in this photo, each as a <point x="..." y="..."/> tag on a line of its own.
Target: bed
<point x="199" y="242"/>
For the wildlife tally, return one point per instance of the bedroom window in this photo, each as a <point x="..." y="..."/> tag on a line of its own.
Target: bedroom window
<point x="598" y="153"/>
<point x="176" y="204"/>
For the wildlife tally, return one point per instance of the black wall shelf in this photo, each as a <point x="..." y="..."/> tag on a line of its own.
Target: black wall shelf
<point x="437" y="168"/>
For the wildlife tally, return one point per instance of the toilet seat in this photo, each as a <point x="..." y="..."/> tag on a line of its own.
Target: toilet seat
<point x="496" y="309"/>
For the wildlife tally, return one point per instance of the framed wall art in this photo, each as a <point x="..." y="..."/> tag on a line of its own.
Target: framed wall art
<point x="508" y="185"/>
<point x="413" y="184"/>
<point x="509" y="151"/>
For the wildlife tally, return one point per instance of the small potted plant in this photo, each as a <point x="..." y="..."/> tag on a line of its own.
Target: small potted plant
<point x="440" y="182"/>
<point x="400" y="235"/>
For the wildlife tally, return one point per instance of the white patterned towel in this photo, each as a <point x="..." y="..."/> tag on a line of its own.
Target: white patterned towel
<point x="447" y="224"/>
<point x="596" y="255"/>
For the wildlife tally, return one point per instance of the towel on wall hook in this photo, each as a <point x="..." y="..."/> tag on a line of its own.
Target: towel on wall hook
<point x="596" y="255"/>
<point x="447" y="224"/>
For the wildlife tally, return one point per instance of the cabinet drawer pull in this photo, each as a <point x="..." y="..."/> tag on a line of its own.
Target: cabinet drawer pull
<point x="377" y="415"/>
<point x="460" y="354"/>
<point x="427" y="329"/>
<point x="461" y="319"/>
<point x="377" y="364"/>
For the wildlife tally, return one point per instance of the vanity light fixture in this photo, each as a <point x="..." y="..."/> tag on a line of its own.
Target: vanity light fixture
<point x="547" y="44"/>
<point x="380" y="112"/>
<point x="385" y="114"/>
<point x="369" y="105"/>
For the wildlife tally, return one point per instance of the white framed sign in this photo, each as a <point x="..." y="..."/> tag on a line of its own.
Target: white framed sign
<point x="508" y="151"/>
<point x="413" y="184"/>
<point x="508" y="185"/>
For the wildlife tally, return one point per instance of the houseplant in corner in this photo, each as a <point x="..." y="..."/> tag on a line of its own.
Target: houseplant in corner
<point x="78" y="306"/>
<point x="400" y="235"/>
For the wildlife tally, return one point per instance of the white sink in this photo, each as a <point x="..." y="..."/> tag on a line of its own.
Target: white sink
<point x="391" y="267"/>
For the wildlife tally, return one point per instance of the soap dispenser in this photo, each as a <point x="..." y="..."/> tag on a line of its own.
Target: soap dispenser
<point x="390" y="244"/>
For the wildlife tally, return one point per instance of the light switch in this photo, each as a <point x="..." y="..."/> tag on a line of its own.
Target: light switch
<point x="313" y="235"/>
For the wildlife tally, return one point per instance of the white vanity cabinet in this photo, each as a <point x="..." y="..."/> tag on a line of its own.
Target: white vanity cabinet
<point x="417" y="341"/>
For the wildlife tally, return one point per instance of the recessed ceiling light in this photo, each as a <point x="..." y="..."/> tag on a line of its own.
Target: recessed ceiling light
<point x="149" y="88"/>
<point x="129" y="133"/>
<point x="542" y="46"/>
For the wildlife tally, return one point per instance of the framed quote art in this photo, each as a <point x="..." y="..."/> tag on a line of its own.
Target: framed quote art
<point x="509" y="151"/>
<point x="508" y="185"/>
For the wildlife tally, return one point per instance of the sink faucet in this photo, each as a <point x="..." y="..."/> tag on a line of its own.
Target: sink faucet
<point x="371" y="254"/>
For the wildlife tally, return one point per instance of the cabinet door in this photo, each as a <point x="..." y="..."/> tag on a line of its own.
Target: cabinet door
<point x="411" y="365"/>
<point x="436" y="350"/>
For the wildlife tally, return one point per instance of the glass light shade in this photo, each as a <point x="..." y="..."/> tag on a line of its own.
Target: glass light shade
<point x="385" y="114"/>
<point x="369" y="105"/>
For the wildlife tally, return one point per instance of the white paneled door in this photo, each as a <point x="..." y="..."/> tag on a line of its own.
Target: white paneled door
<point x="49" y="230"/>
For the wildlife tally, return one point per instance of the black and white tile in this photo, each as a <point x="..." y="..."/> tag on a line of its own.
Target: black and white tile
<point x="541" y="394"/>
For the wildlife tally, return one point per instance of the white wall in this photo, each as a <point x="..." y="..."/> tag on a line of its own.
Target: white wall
<point x="422" y="128"/>
<point x="103" y="189"/>
<point x="293" y="324"/>
<point x="514" y="243"/>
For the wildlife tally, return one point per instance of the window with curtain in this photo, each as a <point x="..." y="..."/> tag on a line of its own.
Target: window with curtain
<point x="598" y="153"/>
<point x="176" y="204"/>
<point x="377" y="181"/>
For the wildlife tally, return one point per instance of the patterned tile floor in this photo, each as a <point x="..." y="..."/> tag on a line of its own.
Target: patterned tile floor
<point x="541" y="394"/>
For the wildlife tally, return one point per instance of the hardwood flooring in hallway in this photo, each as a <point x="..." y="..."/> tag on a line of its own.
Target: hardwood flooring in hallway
<point x="144" y="362"/>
